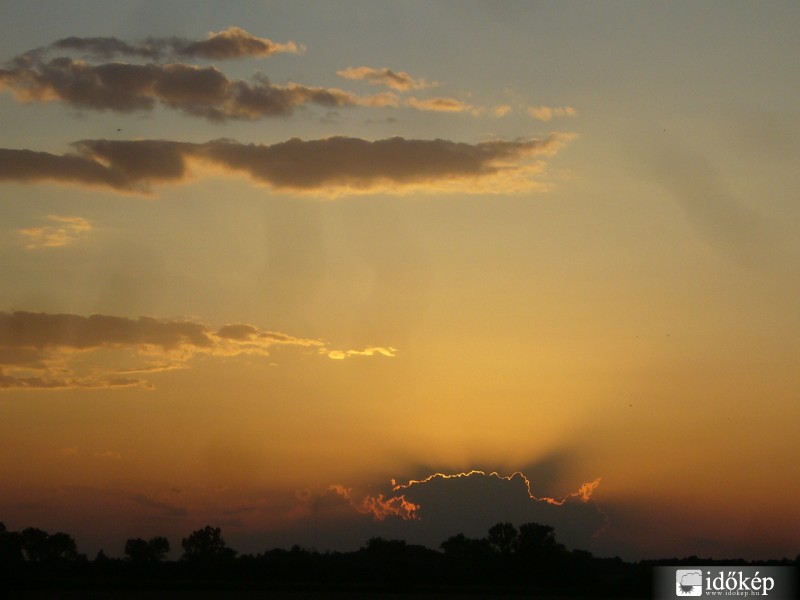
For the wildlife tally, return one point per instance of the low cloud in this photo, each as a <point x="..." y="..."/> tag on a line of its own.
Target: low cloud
<point x="333" y="165"/>
<point x="36" y="349"/>
<point x="63" y="231"/>
<point x="430" y="510"/>
<point x="397" y="80"/>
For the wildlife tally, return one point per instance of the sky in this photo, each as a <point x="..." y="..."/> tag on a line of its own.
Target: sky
<point x="314" y="272"/>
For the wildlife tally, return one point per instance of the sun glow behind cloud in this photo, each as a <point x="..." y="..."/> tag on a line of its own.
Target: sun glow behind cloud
<point x="348" y="274"/>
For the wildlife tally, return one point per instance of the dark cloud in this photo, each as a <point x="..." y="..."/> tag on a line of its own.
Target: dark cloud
<point x="228" y="44"/>
<point x="337" y="163"/>
<point x="42" y="331"/>
<point x="431" y="510"/>
<point x="36" y="348"/>
<point x="197" y="91"/>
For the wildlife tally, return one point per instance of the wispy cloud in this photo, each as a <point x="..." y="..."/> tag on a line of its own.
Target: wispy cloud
<point x="397" y="80"/>
<point x="333" y="166"/>
<point x="548" y="113"/>
<point x="231" y="43"/>
<point x="441" y="104"/>
<point x="65" y="231"/>
<point x="377" y="350"/>
<point x="36" y="349"/>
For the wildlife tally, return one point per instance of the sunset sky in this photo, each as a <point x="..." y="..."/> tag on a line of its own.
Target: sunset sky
<point x="317" y="271"/>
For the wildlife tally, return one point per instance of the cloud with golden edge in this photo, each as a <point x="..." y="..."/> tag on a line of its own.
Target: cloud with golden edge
<point x="194" y="90"/>
<point x="433" y="508"/>
<point x="331" y="166"/>
<point x="584" y="493"/>
<point x="63" y="232"/>
<point x="38" y="350"/>
<point x="548" y="113"/>
<point x="397" y="80"/>
<point x="231" y="43"/>
<point x="377" y="506"/>
<point x="201" y="91"/>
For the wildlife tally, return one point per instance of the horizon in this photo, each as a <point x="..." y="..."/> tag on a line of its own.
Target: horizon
<point x="319" y="272"/>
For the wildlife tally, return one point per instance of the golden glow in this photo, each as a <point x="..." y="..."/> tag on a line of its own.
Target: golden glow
<point x="584" y="493"/>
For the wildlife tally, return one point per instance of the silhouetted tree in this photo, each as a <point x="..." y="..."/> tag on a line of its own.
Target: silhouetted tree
<point x="39" y="547"/>
<point x="10" y="548"/>
<point x="151" y="551"/>
<point x="206" y="545"/>
<point x="503" y="538"/>
<point x="536" y="540"/>
<point x="460" y="546"/>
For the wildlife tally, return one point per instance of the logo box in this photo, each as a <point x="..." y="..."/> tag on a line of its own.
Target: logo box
<point x="723" y="581"/>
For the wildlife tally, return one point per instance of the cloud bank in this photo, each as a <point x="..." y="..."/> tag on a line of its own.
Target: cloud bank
<point x="331" y="165"/>
<point x="201" y="91"/>
<point x="38" y="350"/>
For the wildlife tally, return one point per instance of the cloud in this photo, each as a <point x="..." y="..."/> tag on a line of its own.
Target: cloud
<point x="66" y="231"/>
<point x="397" y="80"/>
<point x="36" y="348"/>
<point x="197" y="91"/>
<point x="222" y="45"/>
<point x="378" y="506"/>
<point x="501" y="110"/>
<point x="548" y="113"/>
<point x="441" y="104"/>
<point x="342" y="354"/>
<point x="432" y="509"/>
<point x="332" y="166"/>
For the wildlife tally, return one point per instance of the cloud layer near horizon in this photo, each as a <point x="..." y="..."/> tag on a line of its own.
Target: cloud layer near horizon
<point x="36" y="349"/>
<point x="336" y="164"/>
<point x="430" y="510"/>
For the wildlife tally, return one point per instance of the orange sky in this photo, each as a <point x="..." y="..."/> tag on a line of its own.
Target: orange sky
<point x="261" y="261"/>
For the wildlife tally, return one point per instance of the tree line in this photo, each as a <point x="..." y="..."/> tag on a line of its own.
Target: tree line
<point x="507" y="558"/>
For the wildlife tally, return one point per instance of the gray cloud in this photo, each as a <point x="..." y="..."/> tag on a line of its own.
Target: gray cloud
<point x="228" y="44"/>
<point x="337" y="163"/>
<point x="198" y="91"/>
